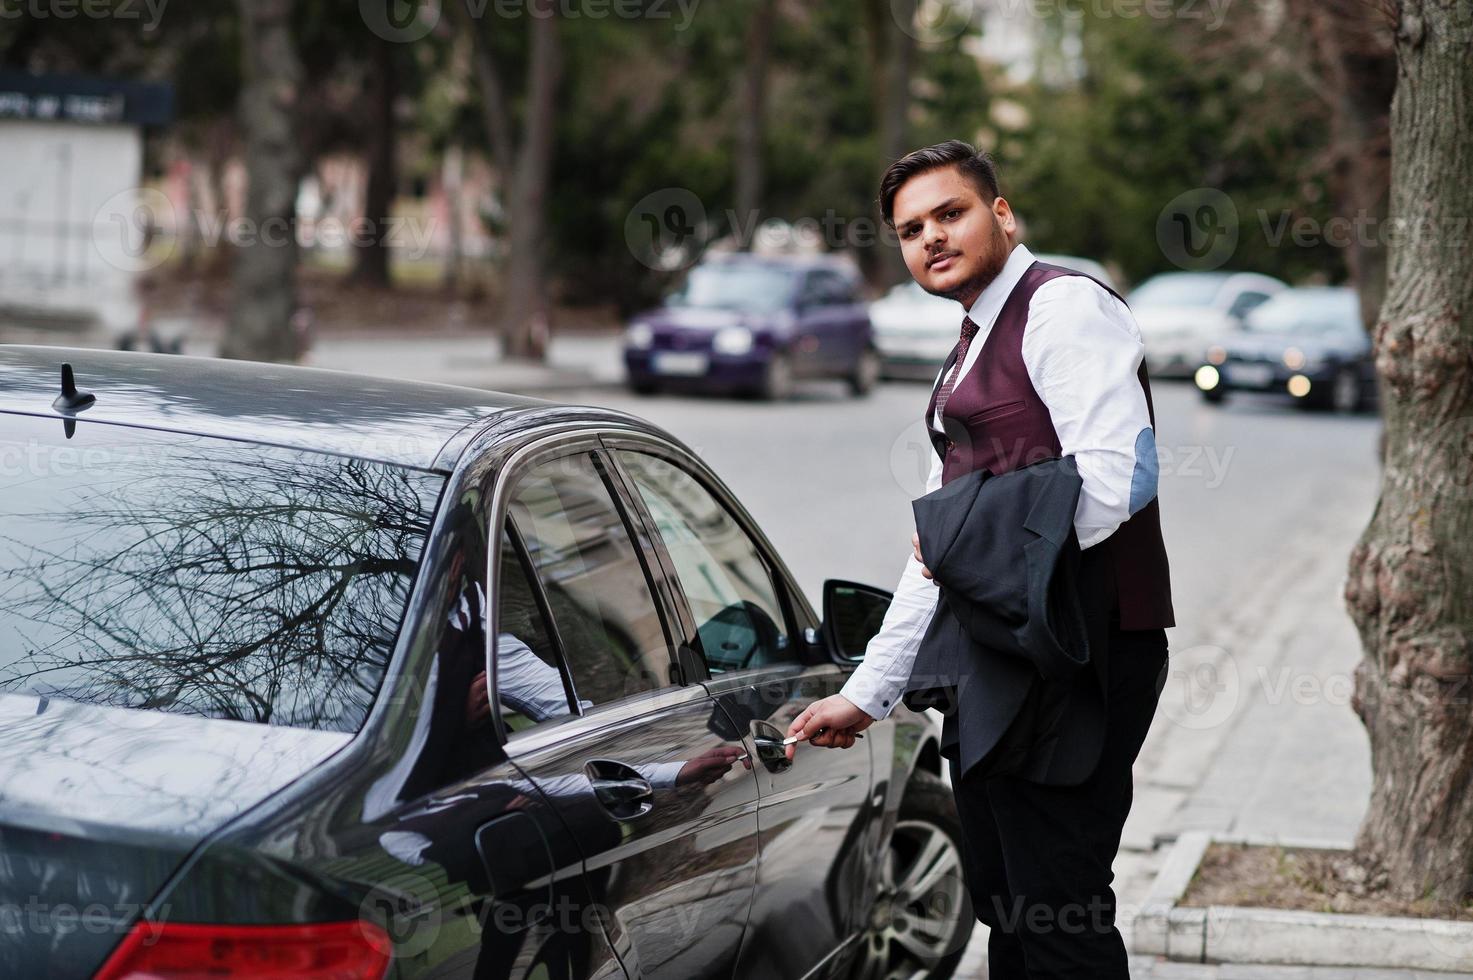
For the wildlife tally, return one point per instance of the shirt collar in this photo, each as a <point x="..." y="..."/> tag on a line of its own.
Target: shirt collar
<point x="989" y="304"/>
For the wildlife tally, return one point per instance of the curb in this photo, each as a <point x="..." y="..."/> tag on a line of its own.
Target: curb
<point x="1234" y="934"/>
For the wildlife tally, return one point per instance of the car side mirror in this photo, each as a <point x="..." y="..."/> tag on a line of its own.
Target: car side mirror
<point x="852" y="614"/>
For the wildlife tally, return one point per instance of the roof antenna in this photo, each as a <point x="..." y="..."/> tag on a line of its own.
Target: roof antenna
<point x="71" y="399"/>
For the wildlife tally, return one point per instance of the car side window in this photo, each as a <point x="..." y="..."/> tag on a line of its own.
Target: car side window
<point x="817" y="290"/>
<point x="530" y="687"/>
<point x="1246" y="302"/>
<point x="590" y="571"/>
<point x="739" y="618"/>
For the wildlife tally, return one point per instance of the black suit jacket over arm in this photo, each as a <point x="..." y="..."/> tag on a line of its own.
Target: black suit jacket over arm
<point x="1015" y="653"/>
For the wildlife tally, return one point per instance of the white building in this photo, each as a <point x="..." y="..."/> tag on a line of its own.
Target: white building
<point x="73" y="221"/>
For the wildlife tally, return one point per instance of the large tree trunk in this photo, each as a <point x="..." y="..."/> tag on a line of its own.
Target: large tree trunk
<point x="524" y="319"/>
<point x="1410" y="584"/>
<point x="265" y="288"/>
<point x="752" y="133"/>
<point x="371" y="253"/>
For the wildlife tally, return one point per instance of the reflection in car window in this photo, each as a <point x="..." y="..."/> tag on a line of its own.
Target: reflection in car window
<point x="529" y="686"/>
<point x="210" y="577"/>
<point x="728" y="586"/>
<point x="595" y="584"/>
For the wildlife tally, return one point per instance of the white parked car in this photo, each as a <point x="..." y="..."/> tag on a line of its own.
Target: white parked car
<point x="1181" y="314"/>
<point x="915" y="330"/>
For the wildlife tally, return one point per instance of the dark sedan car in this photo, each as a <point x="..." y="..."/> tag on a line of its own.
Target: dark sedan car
<point x="1306" y="344"/>
<point x="755" y="324"/>
<point x="310" y="674"/>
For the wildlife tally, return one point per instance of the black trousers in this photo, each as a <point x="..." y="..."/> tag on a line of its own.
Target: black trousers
<point x="1038" y="858"/>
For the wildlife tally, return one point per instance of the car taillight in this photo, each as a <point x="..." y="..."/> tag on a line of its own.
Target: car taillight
<point x="354" y="950"/>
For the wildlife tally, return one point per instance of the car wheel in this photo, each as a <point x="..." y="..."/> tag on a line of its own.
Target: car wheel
<point x="922" y="917"/>
<point x="1346" y="391"/>
<point x="866" y="372"/>
<point x="643" y="387"/>
<point x="777" y="383"/>
<point x="1215" y="396"/>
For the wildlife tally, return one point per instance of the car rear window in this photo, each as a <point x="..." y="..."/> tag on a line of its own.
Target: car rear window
<point x="210" y="577"/>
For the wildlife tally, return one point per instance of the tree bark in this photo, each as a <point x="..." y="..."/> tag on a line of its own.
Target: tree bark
<point x="265" y="286"/>
<point x="752" y="132"/>
<point x="1410" y="582"/>
<point x="524" y="318"/>
<point x="371" y="249"/>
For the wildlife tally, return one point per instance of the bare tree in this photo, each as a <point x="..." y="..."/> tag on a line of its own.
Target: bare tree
<point x="265" y="287"/>
<point x="525" y="170"/>
<point x="752" y="121"/>
<point x="371" y="254"/>
<point x="1410" y="584"/>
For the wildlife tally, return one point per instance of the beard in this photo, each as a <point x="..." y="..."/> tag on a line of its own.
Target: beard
<point x="987" y="272"/>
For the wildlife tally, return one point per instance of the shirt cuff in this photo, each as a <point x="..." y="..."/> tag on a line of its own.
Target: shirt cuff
<point x="871" y="694"/>
<point x="662" y="774"/>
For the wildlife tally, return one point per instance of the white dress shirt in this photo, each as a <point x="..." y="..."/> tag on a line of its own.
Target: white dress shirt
<point x="1082" y="350"/>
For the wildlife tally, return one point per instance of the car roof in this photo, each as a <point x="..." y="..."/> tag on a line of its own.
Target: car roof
<point x="408" y="423"/>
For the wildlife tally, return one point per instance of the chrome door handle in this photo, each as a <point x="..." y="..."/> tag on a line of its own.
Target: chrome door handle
<point x="620" y="789"/>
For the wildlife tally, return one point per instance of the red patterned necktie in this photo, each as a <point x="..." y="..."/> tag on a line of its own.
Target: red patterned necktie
<point x="969" y="330"/>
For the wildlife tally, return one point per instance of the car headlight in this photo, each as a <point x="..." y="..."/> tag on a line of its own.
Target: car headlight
<point x="1293" y="358"/>
<point x="732" y="340"/>
<point x="639" y="336"/>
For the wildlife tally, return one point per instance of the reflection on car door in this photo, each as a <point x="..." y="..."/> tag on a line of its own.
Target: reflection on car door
<point x="649" y="776"/>
<point x="746" y="619"/>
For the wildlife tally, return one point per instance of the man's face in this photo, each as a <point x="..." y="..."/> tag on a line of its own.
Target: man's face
<point x="954" y="243"/>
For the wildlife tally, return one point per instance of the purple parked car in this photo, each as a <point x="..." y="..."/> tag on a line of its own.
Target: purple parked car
<point x="755" y="324"/>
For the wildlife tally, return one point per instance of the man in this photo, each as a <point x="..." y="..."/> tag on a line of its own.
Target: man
<point x="1047" y="363"/>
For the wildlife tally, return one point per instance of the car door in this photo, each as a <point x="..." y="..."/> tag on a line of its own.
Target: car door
<point x="475" y="872"/>
<point x="647" y="772"/>
<point x="827" y="318"/>
<point x="759" y="643"/>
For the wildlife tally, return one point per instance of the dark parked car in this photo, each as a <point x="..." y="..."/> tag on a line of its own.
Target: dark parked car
<point x="755" y="324"/>
<point x="1308" y="344"/>
<point x="327" y="675"/>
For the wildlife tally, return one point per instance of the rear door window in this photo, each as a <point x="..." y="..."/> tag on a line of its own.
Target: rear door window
<point x="202" y="576"/>
<point x="596" y="586"/>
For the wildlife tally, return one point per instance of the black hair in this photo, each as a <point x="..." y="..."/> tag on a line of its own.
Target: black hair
<point x="972" y="162"/>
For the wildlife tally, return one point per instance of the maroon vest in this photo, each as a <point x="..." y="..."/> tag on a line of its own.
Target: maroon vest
<point x="995" y="419"/>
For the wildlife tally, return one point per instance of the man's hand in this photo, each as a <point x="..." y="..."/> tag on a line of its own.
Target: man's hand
<point x="915" y="542"/>
<point x="832" y="722"/>
<point x="478" y="702"/>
